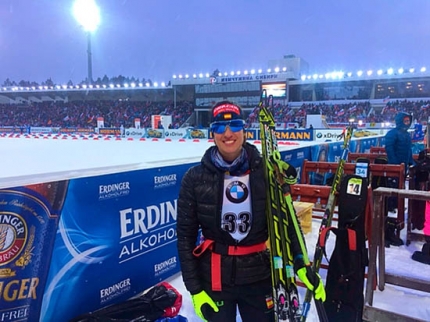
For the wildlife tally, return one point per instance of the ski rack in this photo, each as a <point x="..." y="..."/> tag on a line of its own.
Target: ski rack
<point x="377" y="249"/>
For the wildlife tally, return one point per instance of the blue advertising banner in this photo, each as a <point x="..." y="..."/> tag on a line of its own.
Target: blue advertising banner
<point x="295" y="158"/>
<point x="319" y="153"/>
<point x="116" y="238"/>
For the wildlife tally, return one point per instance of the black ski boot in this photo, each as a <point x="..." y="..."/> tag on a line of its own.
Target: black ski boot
<point x="391" y="233"/>
<point x="424" y="255"/>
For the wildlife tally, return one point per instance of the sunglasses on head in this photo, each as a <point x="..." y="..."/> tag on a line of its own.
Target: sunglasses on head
<point x="234" y="125"/>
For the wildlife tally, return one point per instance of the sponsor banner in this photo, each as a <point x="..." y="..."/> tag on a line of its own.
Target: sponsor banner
<point x="176" y="133"/>
<point x="134" y="133"/>
<point x="68" y="129"/>
<point x="283" y="135"/>
<point x="12" y="129"/>
<point x="295" y="158"/>
<point x="252" y="134"/>
<point x="37" y="129"/>
<point x="359" y="133"/>
<point x="363" y="145"/>
<point x="75" y="130"/>
<point x="116" y="238"/>
<point x="295" y="135"/>
<point x="329" y="135"/>
<point x="319" y="153"/>
<point x="154" y="133"/>
<point x="85" y="131"/>
<point x="196" y="134"/>
<point x="109" y="130"/>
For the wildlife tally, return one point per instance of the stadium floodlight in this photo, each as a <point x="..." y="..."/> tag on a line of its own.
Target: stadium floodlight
<point x="369" y="73"/>
<point x="163" y="84"/>
<point x="252" y="71"/>
<point x="87" y="14"/>
<point x="238" y="72"/>
<point x="277" y="69"/>
<point x="390" y="71"/>
<point x="401" y="70"/>
<point x="423" y="69"/>
<point x="303" y="77"/>
<point x="359" y="73"/>
<point x="411" y="70"/>
<point x="380" y="72"/>
<point x="260" y="71"/>
<point x="284" y="69"/>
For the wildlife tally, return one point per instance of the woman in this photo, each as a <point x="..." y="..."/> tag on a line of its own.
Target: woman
<point x="225" y="197"/>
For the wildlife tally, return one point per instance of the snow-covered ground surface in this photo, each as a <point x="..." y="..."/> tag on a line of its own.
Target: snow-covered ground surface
<point x="31" y="160"/>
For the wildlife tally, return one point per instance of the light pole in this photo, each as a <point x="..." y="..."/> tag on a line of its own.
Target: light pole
<point x="87" y="14"/>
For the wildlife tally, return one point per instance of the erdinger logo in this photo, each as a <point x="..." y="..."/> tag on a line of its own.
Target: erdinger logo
<point x="237" y="192"/>
<point x="165" y="266"/>
<point x="165" y="181"/>
<point x="13" y="235"/>
<point x="114" y="190"/>
<point x="115" y="290"/>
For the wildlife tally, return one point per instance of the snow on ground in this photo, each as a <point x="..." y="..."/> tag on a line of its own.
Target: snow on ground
<point x="31" y="160"/>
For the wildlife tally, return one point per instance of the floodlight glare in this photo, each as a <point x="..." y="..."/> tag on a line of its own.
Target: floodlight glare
<point x="87" y="14"/>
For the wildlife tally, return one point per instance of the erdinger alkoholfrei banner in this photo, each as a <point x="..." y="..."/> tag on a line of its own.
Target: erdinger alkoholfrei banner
<point x="116" y="238"/>
<point x="28" y="223"/>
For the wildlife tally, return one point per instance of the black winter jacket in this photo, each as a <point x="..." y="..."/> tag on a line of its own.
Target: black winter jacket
<point x="199" y="206"/>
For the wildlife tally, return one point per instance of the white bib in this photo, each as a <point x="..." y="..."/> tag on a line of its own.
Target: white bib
<point x="236" y="213"/>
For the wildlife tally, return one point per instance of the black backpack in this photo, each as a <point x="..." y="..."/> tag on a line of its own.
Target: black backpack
<point x="345" y="276"/>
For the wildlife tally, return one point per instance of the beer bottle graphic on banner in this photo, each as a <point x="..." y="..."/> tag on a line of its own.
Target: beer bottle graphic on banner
<point x="28" y="225"/>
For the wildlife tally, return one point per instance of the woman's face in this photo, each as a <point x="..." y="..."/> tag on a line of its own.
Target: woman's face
<point x="229" y="143"/>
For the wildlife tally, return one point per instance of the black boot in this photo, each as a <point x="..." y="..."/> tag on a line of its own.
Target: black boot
<point x="391" y="233"/>
<point x="424" y="255"/>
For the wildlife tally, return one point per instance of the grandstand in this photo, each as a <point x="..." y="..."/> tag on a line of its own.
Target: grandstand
<point x="373" y="96"/>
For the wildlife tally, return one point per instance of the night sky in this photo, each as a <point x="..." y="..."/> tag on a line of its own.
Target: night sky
<point x="40" y="39"/>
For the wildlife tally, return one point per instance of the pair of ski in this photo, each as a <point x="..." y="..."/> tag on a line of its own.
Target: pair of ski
<point x="281" y="214"/>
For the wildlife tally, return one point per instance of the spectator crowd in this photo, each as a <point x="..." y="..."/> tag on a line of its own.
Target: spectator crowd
<point x="118" y="113"/>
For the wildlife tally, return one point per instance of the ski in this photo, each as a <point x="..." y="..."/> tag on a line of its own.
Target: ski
<point x="280" y="214"/>
<point x="326" y="222"/>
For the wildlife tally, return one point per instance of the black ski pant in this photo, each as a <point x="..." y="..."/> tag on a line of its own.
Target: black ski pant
<point x="254" y="302"/>
<point x="393" y="182"/>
